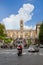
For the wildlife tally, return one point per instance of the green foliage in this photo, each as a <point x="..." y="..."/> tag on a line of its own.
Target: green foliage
<point x="1" y="38"/>
<point x="41" y="33"/>
<point x="29" y="42"/>
<point x="7" y="40"/>
<point x="2" y="29"/>
<point x="3" y="35"/>
<point x="2" y="32"/>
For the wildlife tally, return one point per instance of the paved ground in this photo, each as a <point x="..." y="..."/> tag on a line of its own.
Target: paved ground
<point x="9" y="57"/>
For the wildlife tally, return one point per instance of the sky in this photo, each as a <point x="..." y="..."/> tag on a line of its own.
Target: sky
<point x="12" y="11"/>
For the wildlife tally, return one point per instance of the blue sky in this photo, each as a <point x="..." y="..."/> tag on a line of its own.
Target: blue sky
<point x="11" y="7"/>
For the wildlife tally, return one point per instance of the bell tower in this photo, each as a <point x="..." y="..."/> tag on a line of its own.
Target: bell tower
<point x="21" y="28"/>
<point x="21" y="25"/>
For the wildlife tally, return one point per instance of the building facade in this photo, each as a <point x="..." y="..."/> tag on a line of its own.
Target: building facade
<point x="21" y="33"/>
<point x="37" y="29"/>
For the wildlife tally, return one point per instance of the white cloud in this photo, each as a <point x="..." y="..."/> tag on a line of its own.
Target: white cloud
<point x="34" y="27"/>
<point x="24" y="13"/>
<point x="29" y="27"/>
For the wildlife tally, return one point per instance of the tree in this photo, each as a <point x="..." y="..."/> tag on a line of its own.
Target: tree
<point x="41" y="34"/>
<point x="2" y="30"/>
<point x="28" y="42"/>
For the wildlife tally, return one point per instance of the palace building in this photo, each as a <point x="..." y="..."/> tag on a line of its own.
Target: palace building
<point x="22" y="33"/>
<point x="37" y="29"/>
